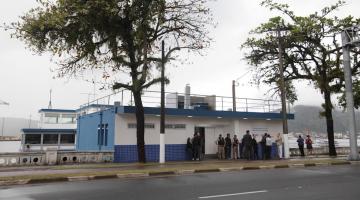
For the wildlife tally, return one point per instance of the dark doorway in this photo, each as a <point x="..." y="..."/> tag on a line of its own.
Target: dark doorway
<point x="201" y="132"/>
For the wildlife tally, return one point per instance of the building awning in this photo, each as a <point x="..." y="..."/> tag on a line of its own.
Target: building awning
<point x="49" y="131"/>
<point x="205" y="113"/>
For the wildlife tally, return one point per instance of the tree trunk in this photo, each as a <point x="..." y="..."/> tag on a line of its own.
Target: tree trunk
<point x="329" y="123"/>
<point x="140" y="126"/>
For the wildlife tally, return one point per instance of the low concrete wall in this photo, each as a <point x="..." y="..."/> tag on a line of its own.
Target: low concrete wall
<point x="321" y="151"/>
<point x="61" y="157"/>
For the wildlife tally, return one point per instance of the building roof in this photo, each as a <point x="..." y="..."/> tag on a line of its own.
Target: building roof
<point x="40" y="130"/>
<point x="206" y="113"/>
<point x="57" y="110"/>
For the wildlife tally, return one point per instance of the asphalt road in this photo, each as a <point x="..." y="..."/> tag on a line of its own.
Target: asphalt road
<point x="333" y="182"/>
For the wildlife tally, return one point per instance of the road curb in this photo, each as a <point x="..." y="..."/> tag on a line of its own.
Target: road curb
<point x="267" y="166"/>
<point x="132" y="175"/>
<point x="79" y="178"/>
<point x="185" y="171"/>
<point x="281" y="166"/>
<point x="341" y="163"/>
<point x="105" y="176"/>
<point x="164" y="173"/>
<point x="229" y="169"/>
<point x="299" y="165"/>
<point x="47" y="180"/>
<point x="206" y="170"/>
<point x="251" y="168"/>
<point x="14" y="182"/>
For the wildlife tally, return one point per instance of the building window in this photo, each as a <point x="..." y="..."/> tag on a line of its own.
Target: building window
<point x="67" y="119"/>
<point x="147" y="125"/>
<point x="51" y="118"/>
<point x="103" y="134"/>
<point x="175" y="126"/>
<point x="50" y="138"/>
<point x="67" y="139"/>
<point x="33" y="139"/>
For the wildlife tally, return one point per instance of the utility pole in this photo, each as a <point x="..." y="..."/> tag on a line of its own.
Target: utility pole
<point x="234" y="95"/>
<point x="282" y="85"/>
<point x="162" y="106"/>
<point x="283" y="96"/>
<point x="350" y="38"/>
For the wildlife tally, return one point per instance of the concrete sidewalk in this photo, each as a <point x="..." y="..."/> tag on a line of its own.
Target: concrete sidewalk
<point x="42" y="174"/>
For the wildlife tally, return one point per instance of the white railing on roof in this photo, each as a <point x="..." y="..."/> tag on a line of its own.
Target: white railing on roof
<point x="175" y="100"/>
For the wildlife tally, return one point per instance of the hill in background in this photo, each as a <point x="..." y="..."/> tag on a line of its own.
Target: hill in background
<point x="308" y="117"/>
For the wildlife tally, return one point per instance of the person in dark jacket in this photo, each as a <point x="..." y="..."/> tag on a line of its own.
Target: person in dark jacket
<point x="196" y="146"/>
<point x="255" y="147"/>
<point x="189" y="149"/>
<point x="228" y="146"/>
<point x="263" y="146"/>
<point x="247" y="142"/>
<point x="300" y="142"/>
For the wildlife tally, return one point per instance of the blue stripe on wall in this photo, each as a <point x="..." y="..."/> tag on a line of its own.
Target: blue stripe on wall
<point x="128" y="153"/>
<point x="173" y="152"/>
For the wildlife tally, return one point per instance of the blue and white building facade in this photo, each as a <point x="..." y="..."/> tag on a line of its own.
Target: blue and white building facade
<point x="56" y="130"/>
<point x="114" y="127"/>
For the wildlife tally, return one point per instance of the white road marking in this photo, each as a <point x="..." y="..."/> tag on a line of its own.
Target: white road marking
<point x="234" y="194"/>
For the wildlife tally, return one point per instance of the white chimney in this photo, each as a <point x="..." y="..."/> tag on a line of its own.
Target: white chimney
<point x="187" y="97"/>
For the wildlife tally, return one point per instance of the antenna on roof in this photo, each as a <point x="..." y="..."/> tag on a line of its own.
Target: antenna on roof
<point x="50" y="105"/>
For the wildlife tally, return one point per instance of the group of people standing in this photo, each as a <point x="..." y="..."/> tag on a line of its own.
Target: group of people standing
<point x="247" y="148"/>
<point x="194" y="147"/>
<point x="308" y="143"/>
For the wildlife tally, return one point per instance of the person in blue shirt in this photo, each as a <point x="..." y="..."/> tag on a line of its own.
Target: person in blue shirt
<point x="300" y="142"/>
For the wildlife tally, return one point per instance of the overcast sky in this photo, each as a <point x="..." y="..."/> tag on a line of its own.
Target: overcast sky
<point x="25" y="78"/>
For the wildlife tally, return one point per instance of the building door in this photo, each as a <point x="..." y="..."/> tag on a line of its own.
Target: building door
<point x="201" y="132"/>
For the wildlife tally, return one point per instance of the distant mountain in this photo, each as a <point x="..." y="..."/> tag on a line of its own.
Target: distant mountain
<point x="13" y="126"/>
<point x="308" y="117"/>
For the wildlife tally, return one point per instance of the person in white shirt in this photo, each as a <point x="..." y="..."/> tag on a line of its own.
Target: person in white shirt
<point x="279" y="144"/>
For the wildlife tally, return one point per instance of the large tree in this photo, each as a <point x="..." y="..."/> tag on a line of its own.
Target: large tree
<point x="312" y="52"/>
<point x="121" y="36"/>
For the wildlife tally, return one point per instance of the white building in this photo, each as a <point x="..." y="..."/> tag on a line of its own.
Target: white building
<point x="114" y="128"/>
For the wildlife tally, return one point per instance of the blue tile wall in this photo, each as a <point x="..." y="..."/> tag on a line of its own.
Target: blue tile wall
<point x="128" y="153"/>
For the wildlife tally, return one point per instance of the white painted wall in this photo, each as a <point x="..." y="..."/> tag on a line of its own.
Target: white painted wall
<point x="213" y="127"/>
<point x="10" y="146"/>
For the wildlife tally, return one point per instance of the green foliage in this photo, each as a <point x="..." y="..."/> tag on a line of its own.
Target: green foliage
<point x="312" y="48"/>
<point x="114" y="35"/>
